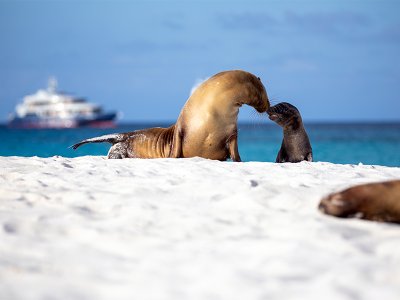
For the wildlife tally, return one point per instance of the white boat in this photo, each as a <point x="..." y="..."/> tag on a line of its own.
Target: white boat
<point x="48" y="108"/>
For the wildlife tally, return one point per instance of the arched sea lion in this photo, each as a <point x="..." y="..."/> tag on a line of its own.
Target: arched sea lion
<point x="296" y="145"/>
<point x="374" y="201"/>
<point x="206" y="126"/>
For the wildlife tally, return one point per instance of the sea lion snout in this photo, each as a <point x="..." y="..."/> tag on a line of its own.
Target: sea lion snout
<point x="276" y="112"/>
<point x="260" y="96"/>
<point x="281" y="108"/>
<point x="262" y="104"/>
<point x="282" y="113"/>
<point x="272" y="115"/>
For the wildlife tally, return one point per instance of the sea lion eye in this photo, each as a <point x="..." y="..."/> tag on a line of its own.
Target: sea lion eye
<point x="259" y="78"/>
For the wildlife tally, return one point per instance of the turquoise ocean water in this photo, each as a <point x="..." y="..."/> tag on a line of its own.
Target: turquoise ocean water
<point x="377" y="144"/>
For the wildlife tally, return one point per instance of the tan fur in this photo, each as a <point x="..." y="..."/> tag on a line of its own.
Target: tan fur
<point x="374" y="201"/>
<point x="206" y="126"/>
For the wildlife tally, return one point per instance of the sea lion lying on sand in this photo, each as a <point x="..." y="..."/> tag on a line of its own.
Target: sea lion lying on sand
<point x="206" y="126"/>
<point x="296" y="145"/>
<point x="373" y="201"/>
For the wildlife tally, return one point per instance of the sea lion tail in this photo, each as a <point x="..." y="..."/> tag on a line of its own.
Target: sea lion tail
<point x="109" y="138"/>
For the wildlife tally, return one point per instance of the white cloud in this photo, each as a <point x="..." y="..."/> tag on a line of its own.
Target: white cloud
<point x="197" y="83"/>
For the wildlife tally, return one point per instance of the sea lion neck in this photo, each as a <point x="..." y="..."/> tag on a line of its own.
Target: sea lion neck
<point x="293" y="125"/>
<point x="255" y="97"/>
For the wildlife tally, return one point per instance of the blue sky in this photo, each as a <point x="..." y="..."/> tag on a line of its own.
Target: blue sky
<point x="335" y="60"/>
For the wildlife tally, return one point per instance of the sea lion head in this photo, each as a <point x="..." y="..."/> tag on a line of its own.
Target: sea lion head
<point x="284" y="114"/>
<point x="260" y="99"/>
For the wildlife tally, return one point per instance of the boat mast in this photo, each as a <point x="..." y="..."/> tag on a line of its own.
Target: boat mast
<point x="52" y="85"/>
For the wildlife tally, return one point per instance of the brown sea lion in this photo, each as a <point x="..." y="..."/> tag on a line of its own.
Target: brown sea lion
<point x="374" y="201"/>
<point x="296" y="145"/>
<point x="206" y="126"/>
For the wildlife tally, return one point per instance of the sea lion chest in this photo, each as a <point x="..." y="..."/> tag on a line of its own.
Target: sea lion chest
<point x="206" y="128"/>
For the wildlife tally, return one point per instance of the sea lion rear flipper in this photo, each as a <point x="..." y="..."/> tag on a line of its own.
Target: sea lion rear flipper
<point x="176" y="148"/>
<point x="77" y="145"/>
<point x="233" y="149"/>
<point x="109" y="138"/>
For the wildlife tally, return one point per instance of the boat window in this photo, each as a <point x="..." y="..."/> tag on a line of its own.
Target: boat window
<point x="39" y="103"/>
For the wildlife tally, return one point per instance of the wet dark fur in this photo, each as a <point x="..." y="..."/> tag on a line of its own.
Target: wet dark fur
<point x="374" y="201"/>
<point x="296" y="145"/>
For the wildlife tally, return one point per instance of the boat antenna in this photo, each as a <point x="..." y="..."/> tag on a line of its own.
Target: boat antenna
<point x="52" y="84"/>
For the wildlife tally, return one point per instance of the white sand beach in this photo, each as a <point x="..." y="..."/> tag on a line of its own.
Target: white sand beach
<point x="92" y="228"/>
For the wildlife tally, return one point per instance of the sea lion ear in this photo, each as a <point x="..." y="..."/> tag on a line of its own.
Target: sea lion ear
<point x="259" y="78"/>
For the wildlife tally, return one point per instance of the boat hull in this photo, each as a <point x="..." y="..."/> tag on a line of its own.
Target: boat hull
<point x="106" y="120"/>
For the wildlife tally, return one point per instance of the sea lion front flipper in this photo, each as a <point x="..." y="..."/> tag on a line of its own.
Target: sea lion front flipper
<point x="309" y="157"/>
<point x="176" y="147"/>
<point x="233" y="148"/>
<point x="282" y="155"/>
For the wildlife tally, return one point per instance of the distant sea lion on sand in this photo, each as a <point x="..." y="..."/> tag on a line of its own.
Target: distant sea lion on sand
<point x="374" y="201"/>
<point x="206" y="126"/>
<point x="296" y="145"/>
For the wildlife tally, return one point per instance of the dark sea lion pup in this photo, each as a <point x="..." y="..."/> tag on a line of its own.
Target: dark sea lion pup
<point x="206" y="126"/>
<point x="296" y="145"/>
<point x="373" y="201"/>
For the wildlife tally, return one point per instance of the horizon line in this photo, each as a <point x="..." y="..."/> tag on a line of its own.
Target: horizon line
<point x="258" y="122"/>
